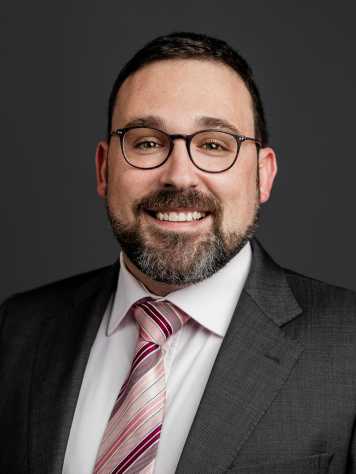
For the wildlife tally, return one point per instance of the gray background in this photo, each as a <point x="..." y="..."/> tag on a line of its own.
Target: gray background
<point x="59" y="60"/>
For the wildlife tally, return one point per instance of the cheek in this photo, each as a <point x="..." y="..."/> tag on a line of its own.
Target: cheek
<point x="239" y="200"/>
<point x="126" y="187"/>
<point x="120" y="193"/>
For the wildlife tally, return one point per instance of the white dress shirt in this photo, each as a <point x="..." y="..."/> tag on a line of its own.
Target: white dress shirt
<point x="189" y="358"/>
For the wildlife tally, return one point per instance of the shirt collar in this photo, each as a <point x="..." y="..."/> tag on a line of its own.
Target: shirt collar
<point x="210" y="303"/>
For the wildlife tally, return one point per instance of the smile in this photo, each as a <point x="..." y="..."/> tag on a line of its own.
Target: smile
<point x="178" y="215"/>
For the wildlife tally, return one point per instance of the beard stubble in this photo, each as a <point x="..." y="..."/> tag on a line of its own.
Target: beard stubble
<point x="179" y="258"/>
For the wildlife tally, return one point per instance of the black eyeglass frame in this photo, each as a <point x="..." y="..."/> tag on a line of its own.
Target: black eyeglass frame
<point x="120" y="132"/>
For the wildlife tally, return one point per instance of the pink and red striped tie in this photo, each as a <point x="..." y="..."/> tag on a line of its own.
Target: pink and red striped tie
<point x="130" y="440"/>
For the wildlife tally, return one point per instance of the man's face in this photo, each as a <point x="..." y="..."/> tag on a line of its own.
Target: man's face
<point x="183" y="96"/>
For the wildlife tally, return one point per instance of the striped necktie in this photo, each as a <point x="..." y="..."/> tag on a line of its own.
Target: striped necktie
<point x="130" y="440"/>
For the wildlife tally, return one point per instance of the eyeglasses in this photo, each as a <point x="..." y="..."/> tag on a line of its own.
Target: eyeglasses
<point x="213" y="151"/>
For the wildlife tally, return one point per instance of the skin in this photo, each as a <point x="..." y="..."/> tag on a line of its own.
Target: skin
<point x="178" y="93"/>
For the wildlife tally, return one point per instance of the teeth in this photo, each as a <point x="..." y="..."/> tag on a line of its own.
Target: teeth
<point x="180" y="216"/>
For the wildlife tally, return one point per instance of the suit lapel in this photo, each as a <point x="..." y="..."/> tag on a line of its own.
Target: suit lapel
<point x="67" y="337"/>
<point x="253" y="363"/>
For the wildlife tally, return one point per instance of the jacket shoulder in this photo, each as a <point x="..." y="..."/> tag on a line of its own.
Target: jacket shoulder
<point x="42" y="300"/>
<point x="316" y="293"/>
<point x="329" y="310"/>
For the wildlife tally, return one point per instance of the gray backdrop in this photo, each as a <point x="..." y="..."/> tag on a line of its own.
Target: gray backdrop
<point x="58" y="63"/>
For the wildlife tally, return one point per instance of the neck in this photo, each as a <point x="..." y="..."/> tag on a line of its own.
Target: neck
<point x="156" y="287"/>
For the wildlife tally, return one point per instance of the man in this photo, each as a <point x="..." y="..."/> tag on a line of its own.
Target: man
<point x="195" y="353"/>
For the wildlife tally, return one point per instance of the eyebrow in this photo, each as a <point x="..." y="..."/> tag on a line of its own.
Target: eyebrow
<point x="146" y="121"/>
<point x="203" y="121"/>
<point x="216" y="122"/>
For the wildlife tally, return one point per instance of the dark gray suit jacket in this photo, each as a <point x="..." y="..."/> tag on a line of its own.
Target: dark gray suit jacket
<point x="281" y="398"/>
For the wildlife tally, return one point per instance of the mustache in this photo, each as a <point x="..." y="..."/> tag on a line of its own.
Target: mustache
<point x="172" y="199"/>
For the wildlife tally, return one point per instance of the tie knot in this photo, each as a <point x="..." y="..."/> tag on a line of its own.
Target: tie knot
<point x="158" y="319"/>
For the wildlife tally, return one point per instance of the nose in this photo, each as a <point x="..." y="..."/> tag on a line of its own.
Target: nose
<point x="179" y="171"/>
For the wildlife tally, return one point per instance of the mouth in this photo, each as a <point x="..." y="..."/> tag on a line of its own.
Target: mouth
<point x="178" y="216"/>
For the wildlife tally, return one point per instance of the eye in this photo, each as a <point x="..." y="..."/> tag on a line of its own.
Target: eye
<point x="213" y="146"/>
<point x="147" y="145"/>
<point x="142" y="141"/>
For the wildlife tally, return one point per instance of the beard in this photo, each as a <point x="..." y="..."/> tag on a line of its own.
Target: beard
<point x="179" y="258"/>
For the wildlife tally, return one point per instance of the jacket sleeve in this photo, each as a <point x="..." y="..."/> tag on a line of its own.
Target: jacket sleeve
<point x="351" y="459"/>
<point x="3" y="313"/>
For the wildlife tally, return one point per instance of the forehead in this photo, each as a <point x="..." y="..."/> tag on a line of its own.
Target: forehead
<point x="180" y="91"/>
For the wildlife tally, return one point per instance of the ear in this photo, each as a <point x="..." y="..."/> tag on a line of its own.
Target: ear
<point x="267" y="167"/>
<point x="101" y="165"/>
